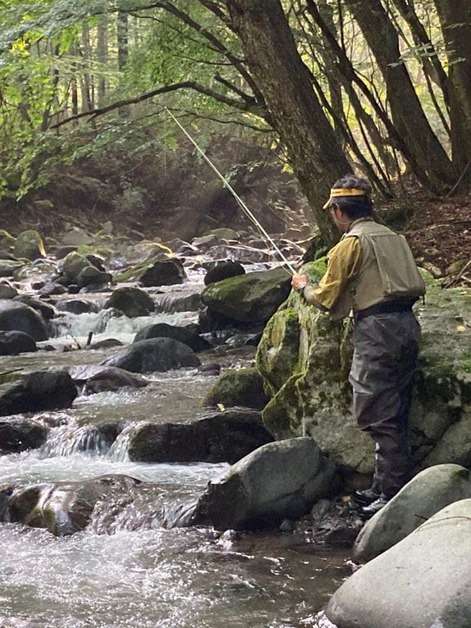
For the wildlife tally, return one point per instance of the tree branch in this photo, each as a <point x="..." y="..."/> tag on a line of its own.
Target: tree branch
<point x="94" y="113"/>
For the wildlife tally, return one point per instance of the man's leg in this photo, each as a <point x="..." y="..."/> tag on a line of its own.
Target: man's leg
<point x="381" y="375"/>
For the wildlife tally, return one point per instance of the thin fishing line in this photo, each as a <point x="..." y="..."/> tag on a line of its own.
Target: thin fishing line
<point x="241" y="203"/>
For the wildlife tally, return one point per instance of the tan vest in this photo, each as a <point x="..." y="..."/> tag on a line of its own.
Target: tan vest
<point x="387" y="271"/>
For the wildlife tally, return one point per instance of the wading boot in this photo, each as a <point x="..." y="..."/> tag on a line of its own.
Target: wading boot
<point x="365" y="497"/>
<point x="374" y="507"/>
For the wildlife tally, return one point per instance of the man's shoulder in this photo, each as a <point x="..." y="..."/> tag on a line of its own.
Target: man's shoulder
<point x="369" y="227"/>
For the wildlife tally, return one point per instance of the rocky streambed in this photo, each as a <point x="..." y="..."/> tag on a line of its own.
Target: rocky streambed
<point x="177" y="444"/>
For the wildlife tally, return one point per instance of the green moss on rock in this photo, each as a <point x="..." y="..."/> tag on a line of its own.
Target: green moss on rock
<point x="243" y="387"/>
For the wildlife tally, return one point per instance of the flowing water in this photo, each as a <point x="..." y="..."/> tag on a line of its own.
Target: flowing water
<point x="141" y="577"/>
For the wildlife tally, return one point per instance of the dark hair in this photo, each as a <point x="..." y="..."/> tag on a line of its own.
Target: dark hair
<point x="354" y="206"/>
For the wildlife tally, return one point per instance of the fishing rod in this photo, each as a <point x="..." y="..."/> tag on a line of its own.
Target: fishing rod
<point x="240" y="202"/>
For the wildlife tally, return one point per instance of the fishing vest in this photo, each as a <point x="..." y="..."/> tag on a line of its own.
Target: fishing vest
<point x="387" y="271"/>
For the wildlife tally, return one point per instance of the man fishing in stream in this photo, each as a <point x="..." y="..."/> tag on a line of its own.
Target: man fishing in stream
<point x="371" y="272"/>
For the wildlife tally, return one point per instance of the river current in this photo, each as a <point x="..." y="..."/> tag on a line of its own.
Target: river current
<point x="146" y="578"/>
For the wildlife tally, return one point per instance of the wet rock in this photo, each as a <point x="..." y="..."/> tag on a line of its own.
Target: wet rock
<point x="333" y="523"/>
<point x="92" y="277"/>
<point x="173" y="302"/>
<point x="155" y="354"/>
<point x="8" y="267"/>
<point x="51" y="289"/>
<point x="65" y="508"/>
<point x="222" y="437"/>
<point x="163" y="273"/>
<point x="63" y="251"/>
<point x="16" y="342"/>
<point x="15" y="316"/>
<point x="72" y="265"/>
<point x="253" y="297"/>
<point x="20" y="434"/>
<point x="29" y="245"/>
<point x="77" y="306"/>
<point x="105" y="344"/>
<point x="426" y="494"/>
<point x="46" y="310"/>
<point x="278" y="481"/>
<point x="210" y="369"/>
<point x="132" y="302"/>
<point x="41" y="390"/>
<point x="223" y="270"/>
<point x="7" y="291"/>
<point x="241" y="387"/>
<point x="163" y="330"/>
<point x="7" y="242"/>
<point x="422" y="581"/>
<point x="95" y="379"/>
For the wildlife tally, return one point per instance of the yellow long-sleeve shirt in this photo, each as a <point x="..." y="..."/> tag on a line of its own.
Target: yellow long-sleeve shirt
<point x="343" y="264"/>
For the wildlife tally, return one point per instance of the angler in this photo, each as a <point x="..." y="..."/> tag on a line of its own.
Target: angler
<point x="372" y="273"/>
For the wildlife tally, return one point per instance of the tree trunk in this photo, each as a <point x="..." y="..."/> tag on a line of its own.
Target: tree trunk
<point x="87" y="98"/>
<point x="406" y="109"/>
<point x="102" y="53"/>
<point x="455" y="18"/>
<point x="123" y="39"/>
<point x="284" y="81"/>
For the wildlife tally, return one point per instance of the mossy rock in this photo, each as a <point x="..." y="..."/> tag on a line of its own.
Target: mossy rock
<point x="7" y="242"/>
<point x="166" y="271"/>
<point x="73" y="264"/>
<point x="243" y="387"/>
<point x="253" y="297"/>
<point x="304" y="359"/>
<point x="29" y="245"/>
<point x="133" y="302"/>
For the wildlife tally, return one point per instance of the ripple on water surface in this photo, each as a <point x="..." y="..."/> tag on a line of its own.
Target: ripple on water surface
<point x="165" y="578"/>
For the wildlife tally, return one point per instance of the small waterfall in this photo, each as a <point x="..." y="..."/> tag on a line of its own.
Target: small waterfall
<point x="173" y="303"/>
<point x="70" y="439"/>
<point x="118" y="452"/>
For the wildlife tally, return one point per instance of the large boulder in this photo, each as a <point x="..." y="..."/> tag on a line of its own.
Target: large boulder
<point x="40" y="390"/>
<point x="304" y="359"/>
<point x="155" y="354"/>
<point x="16" y="316"/>
<point x="16" y="342"/>
<point x="164" y="330"/>
<point x="29" y="245"/>
<point x="430" y="491"/>
<point x="422" y="582"/>
<point x="241" y="387"/>
<point x="248" y="298"/>
<point x="277" y="481"/>
<point x="222" y="437"/>
<point x="132" y="302"/>
<point x="17" y="434"/>
<point x="92" y="379"/>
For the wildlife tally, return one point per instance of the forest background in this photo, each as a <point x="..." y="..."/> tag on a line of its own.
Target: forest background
<point x="285" y="96"/>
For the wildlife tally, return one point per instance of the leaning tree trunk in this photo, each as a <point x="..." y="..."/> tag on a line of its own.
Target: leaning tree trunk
<point x="406" y="109"/>
<point x="455" y="18"/>
<point x="284" y="81"/>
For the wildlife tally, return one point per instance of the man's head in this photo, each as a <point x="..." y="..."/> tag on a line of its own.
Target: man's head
<point x="349" y="200"/>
